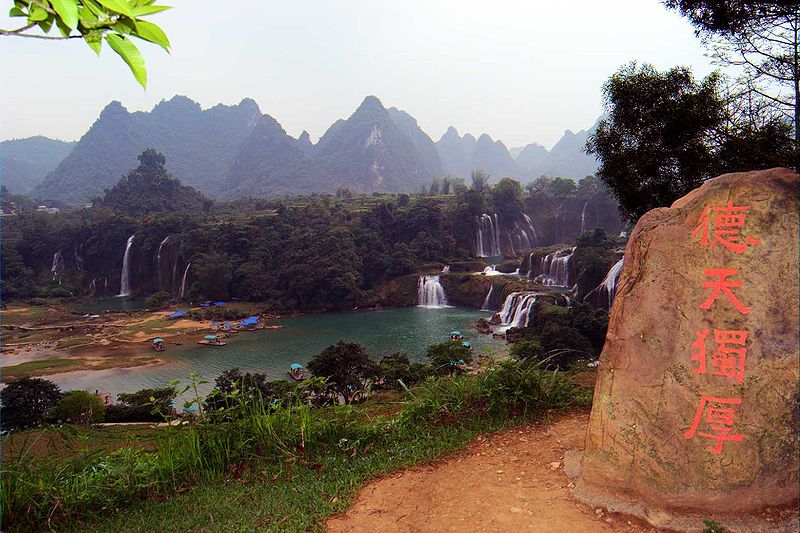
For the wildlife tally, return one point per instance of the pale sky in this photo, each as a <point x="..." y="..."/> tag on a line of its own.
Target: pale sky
<point x="521" y="71"/>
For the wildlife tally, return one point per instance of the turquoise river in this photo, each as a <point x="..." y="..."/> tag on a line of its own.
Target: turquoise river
<point x="383" y="332"/>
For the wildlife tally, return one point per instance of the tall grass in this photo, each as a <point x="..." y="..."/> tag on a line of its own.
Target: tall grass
<point x="38" y="495"/>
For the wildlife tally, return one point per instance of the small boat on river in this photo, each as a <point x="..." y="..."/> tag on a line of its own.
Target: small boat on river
<point x="296" y="372"/>
<point x="211" y="340"/>
<point x="158" y="344"/>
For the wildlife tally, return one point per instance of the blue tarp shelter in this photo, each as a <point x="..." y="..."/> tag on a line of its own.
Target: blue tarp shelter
<point x="219" y="304"/>
<point x="249" y="321"/>
<point x="210" y="337"/>
<point x="177" y="314"/>
<point x="295" y="366"/>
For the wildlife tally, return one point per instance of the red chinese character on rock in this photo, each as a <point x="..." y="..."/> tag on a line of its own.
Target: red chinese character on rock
<point x="727" y="227"/>
<point x="719" y="417"/>
<point x="700" y="355"/>
<point x="728" y="359"/>
<point x="722" y="285"/>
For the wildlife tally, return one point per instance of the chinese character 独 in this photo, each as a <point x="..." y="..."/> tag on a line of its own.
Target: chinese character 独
<point x="728" y="359"/>
<point x="719" y="417"/>
<point x="722" y="285"/>
<point x="727" y="227"/>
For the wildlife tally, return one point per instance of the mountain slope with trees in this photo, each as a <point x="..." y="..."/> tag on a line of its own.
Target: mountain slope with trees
<point x="200" y="146"/>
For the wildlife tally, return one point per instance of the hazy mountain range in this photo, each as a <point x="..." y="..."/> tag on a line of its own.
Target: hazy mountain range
<point x="233" y="151"/>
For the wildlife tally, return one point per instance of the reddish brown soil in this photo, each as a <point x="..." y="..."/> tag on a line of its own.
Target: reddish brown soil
<point x="510" y="481"/>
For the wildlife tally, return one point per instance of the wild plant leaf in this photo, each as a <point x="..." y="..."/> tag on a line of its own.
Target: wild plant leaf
<point x="149" y="10"/>
<point x="37" y="14"/>
<point x="67" y="11"/>
<point x="16" y="12"/>
<point x="118" y="6"/>
<point x="130" y="54"/>
<point x="151" y="32"/>
<point x="95" y="41"/>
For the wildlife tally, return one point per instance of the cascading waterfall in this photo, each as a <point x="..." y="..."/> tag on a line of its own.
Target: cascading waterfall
<point x="554" y="268"/>
<point x="583" y="218"/>
<point x="490" y="241"/>
<point x="610" y="281"/>
<point x="446" y="269"/>
<point x="58" y="266"/>
<point x="183" y="282"/>
<point x="78" y="259"/>
<point x="488" y="300"/>
<point x="516" y="309"/>
<point x="487" y="237"/>
<point x="602" y="296"/>
<point x="430" y="292"/>
<point x="124" y="280"/>
<point x="93" y="287"/>
<point x="491" y="270"/>
<point x="524" y="235"/>
<point x="158" y="261"/>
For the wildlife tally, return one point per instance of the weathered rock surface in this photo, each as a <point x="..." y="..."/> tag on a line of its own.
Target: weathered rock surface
<point x="640" y="446"/>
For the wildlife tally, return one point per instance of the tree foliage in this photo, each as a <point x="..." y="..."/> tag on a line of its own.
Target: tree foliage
<point x="666" y="133"/>
<point x="78" y="407"/>
<point x="115" y="21"/>
<point x="446" y="356"/>
<point x="26" y="401"/>
<point x="149" y="189"/>
<point x="346" y="365"/>
<point x="146" y="405"/>
<point x="761" y="40"/>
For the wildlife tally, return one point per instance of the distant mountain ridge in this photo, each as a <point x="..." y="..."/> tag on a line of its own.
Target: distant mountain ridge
<point x="25" y="162"/>
<point x="235" y="151"/>
<point x="200" y="146"/>
<point x="461" y="155"/>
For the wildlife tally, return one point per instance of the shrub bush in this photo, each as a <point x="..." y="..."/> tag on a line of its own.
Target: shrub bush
<point x="78" y="407"/>
<point x="26" y="401"/>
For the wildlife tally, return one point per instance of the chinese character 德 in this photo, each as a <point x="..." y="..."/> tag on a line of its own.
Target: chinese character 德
<point x="722" y="285"/>
<point x="719" y="416"/>
<point x="728" y="359"/>
<point x="727" y="227"/>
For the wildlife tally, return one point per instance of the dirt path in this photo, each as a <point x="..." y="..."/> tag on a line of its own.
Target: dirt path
<point x="511" y="481"/>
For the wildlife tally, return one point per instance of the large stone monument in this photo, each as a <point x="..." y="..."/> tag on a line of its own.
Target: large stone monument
<point x="695" y="409"/>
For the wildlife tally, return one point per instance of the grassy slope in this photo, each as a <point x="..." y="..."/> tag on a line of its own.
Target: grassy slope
<point x="291" y="496"/>
<point x="290" y="488"/>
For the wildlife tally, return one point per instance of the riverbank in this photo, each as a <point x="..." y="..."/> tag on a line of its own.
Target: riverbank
<point x="46" y="340"/>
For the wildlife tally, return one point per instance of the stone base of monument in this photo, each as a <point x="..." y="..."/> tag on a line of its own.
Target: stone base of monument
<point x="774" y="521"/>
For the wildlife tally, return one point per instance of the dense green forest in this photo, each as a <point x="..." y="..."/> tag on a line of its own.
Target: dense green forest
<point x="317" y="252"/>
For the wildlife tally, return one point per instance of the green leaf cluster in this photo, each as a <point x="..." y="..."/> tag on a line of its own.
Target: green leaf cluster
<point x="115" y="21"/>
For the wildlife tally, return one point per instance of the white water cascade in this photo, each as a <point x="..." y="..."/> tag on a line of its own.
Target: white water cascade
<point x="583" y="218"/>
<point x="609" y="285"/>
<point x="516" y="309"/>
<point x="488" y="300"/>
<point x="446" y="269"/>
<point x="183" y="282"/>
<point x="524" y="235"/>
<point x="124" y="280"/>
<point x="158" y="260"/>
<point x="487" y="237"/>
<point x="554" y="268"/>
<point x="610" y="281"/>
<point x="58" y="266"/>
<point x="430" y="292"/>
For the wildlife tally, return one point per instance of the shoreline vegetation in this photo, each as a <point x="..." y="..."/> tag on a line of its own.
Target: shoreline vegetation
<point x="285" y="466"/>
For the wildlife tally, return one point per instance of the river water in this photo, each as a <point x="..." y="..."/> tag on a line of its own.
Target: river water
<point x="383" y="332"/>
